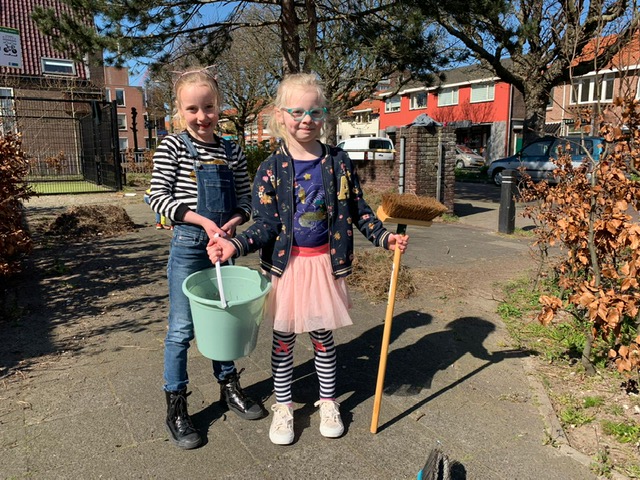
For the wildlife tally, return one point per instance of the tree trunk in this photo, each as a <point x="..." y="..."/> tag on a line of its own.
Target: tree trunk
<point x="534" y="120"/>
<point x="330" y="130"/>
<point x="589" y="369"/>
<point x="290" y="39"/>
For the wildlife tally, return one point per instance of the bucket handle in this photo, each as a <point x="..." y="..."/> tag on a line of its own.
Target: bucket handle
<point x="223" y="300"/>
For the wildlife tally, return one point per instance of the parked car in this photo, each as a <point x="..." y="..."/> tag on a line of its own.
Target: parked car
<point x="468" y="158"/>
<point x="538" y="157"/>
<point x="373" y="148"/>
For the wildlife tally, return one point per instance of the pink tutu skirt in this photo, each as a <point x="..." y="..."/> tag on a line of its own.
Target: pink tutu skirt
<point x="308" y="297"/>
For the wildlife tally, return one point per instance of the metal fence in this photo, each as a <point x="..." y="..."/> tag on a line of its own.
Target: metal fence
<point x="71" y="145"/>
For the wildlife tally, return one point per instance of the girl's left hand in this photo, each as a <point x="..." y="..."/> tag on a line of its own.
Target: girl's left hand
<point x="230" y="227"/>
<point x="398" y="241"/>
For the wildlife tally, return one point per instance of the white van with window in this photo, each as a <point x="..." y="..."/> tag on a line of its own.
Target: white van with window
<point x="368" y="148"/>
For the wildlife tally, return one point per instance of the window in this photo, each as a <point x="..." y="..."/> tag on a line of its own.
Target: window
<point x="392" y="104"/>
<point x="120" y="97"/>
<point x="418" y="100"/>
<point x="384" y="84"/>
<point x="8" y="122"/>
<point x="123" y="143"/>
<point x="58" y="66"/>
<point x="482" y="92"/>
<point x="122" y="121"/>
<point x="448" y="96"/>
<point x="537" y="149"/>
<point x="362" y="117"/>
<point x="550" y="102"/>
<point x="597" y="88"/>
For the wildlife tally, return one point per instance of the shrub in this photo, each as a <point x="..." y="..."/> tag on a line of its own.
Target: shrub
<point x="15" y="241"/>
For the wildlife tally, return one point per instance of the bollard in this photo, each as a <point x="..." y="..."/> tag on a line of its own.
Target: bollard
<point x="507" y="214"/>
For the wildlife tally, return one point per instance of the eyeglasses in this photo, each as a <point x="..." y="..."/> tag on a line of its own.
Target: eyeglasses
<point x="298" y="114"/>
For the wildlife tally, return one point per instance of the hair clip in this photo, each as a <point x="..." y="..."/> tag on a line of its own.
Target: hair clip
<point x="211" y="71"/>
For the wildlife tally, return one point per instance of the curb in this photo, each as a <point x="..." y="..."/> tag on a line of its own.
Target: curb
<point x="553" y="426"/>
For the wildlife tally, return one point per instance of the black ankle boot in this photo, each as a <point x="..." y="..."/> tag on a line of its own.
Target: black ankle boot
<point x="179" y="425"/>
<point x="233" y="397"/>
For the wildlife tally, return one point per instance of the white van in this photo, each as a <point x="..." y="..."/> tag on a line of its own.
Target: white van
<point x="368" y="148"/>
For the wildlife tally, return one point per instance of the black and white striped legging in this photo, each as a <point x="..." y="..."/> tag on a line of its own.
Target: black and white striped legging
<point x="282" y="363"/>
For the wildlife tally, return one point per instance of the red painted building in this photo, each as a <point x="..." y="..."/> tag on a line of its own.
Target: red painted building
<point x="487" y="113"/>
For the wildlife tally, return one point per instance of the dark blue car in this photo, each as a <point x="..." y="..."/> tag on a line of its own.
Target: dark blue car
<point x="538" y="157"/>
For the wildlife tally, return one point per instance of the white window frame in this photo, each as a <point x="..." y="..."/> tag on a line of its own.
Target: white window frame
<point x="362" y="117"/>
<point x="122" y="122"/>
<point x="384" y="84"/>
<point x="448" y="96"/>
<point x="584" y="89"/>
<point x="8" y="122"/>
<point x="50" y="66"/>
<point x="414" y="101"/>
<point x="392" y="104"/>
<point x="123" y="143"/>
<point x="124" y="99"/>
<point x="482" y="92"/>
<point x="550" y="102"/>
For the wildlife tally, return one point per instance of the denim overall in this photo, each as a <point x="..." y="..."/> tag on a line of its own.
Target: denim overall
<point x="217" y="202"/>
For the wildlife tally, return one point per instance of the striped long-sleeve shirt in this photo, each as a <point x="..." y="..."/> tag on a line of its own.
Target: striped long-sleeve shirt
<point x="174" y="190"/>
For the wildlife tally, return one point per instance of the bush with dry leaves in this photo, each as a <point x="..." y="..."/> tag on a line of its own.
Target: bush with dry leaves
<point x="593" y="215"/>
<point x="15" y="241"/>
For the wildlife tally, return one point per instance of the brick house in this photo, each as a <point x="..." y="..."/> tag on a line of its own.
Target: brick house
<point x="131" y="110"/>
<point x="595" y="92"/>
<point x="57" y="104"/>
<point x="45" y="71"/>
<point x="486" y="112"/>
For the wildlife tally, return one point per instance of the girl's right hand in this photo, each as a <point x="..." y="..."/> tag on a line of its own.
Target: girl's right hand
<point x="209" y="226"/>
<point x="220" y="249"/>
<point x="212" y="228"/>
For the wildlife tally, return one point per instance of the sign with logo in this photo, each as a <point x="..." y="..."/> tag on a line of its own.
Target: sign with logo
<point x="10" y="51"/>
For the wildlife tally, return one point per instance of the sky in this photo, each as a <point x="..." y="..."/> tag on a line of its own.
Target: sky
<point x="138" y="72"/>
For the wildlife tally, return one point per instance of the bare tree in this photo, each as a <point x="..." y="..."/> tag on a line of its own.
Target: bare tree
<point x="546" y="41"/>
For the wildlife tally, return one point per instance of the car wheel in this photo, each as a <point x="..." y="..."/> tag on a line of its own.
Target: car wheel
<point x="497" y="176"/>
<point x="460" y="164"/>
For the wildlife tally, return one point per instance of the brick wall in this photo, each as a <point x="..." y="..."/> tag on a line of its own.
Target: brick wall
<point x="424" y="148"/>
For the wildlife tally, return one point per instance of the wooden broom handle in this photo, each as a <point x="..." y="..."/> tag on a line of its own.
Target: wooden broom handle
<point x="386" y="335"/>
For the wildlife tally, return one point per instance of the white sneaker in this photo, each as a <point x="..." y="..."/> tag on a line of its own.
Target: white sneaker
<point x="281" y="430"/>
<point x="330" y="422"/>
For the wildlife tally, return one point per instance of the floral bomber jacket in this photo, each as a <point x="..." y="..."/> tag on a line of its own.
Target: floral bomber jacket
<point x="273" y="209"/>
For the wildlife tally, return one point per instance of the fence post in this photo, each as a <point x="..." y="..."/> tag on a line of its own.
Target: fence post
<point x="119" y="171"/>
<point x="507" y="213"/>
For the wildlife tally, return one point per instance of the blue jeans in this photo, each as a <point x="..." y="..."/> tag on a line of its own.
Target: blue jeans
<point x="188" y="255"/>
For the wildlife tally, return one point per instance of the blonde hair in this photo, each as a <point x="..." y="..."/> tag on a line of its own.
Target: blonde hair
<point x="302" y="81"/>
<point x="194" y="77"/>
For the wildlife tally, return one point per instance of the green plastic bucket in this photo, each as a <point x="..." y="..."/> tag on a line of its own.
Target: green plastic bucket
<point x="232" y="332"/>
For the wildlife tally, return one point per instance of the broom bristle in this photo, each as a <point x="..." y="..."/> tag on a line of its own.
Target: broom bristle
<point x="412" y="206"/>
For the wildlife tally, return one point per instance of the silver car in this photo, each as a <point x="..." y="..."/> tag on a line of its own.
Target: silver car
<point x="467" y="158"/>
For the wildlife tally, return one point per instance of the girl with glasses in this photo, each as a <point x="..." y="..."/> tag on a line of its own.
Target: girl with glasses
<point x="306" y="202"/>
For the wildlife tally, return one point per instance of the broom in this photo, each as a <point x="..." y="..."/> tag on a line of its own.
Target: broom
<point x="403" y="210"/>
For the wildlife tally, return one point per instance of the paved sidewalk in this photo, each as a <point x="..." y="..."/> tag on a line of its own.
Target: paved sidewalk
<point x="452" y="378"/>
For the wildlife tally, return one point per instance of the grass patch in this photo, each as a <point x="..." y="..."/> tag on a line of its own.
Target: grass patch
<point x="592" y="402"/>
<point x="624" y="432"/>
<point x="74" y="186"/>
<point x="575" y="417"/>
<point x="561" y="340"/>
